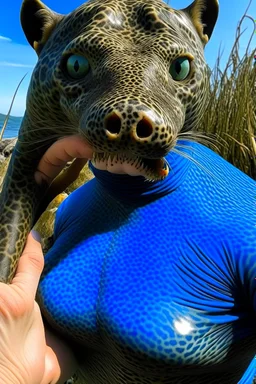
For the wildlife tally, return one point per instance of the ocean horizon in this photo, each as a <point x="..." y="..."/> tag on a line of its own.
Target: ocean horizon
<point x="12" y="127"/>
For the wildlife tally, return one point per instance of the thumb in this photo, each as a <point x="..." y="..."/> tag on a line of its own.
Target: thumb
<point x="52" y="368"/>
<point x="30" y="265"/>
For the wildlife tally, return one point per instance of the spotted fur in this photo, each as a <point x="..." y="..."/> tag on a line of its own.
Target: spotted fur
<point x="130" y="45"/>
<point x="153" y="283"/>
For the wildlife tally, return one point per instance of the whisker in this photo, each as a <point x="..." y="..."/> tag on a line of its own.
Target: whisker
<point x="39" y="130"/>
<point x="30" y="146"/>
<point x="192" y="149"/>
<point x="199" y="138"/>
<point x="45" y="126"/>
<point x="46" y="133"/>
<point x="38" y="141"/>
<point x="40" y="121"/>
<point x="208" y="139"/>
<point x="189" y="147"/>
<point x="202" y="141"/>
<point x="188" y="157"/>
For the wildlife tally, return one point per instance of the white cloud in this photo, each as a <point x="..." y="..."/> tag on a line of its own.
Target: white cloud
<point x="3" y="38"/>
<point x="17" y="65"/>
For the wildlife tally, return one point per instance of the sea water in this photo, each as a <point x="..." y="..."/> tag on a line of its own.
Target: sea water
<point x="13" y="126"/>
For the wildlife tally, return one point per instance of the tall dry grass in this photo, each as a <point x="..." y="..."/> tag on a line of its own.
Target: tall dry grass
<point x="230" y="116"/>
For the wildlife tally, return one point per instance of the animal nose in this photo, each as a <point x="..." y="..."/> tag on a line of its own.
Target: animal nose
<point x="113" y="124"/>
<point x="140" y="127"/>
<point x="144" y="128"/>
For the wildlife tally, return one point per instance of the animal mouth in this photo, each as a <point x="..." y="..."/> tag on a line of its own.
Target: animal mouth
<point x="151" y="169"/>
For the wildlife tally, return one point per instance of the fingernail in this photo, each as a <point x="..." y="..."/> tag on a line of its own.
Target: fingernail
<point x="36" y="235"/>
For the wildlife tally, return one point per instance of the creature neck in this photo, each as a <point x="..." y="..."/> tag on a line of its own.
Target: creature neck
<point x="136" y="188"/>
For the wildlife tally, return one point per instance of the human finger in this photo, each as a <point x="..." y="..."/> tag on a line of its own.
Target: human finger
<point x="67" y="361"/>
<point x="56" y="157"/>
<point x="30" y="265"/>
<point x="52" y="368"/>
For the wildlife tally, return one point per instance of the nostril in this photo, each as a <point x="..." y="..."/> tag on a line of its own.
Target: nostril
<point x="144" y="128"/>
<point x="113" y="123"/>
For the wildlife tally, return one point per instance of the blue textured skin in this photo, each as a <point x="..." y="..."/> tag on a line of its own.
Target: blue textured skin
<point x="162" y="274"/>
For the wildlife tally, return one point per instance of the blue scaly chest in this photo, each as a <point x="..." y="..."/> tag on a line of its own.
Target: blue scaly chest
<point x="160" y="272"/>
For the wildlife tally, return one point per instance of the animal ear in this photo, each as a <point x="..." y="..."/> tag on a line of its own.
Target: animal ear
<point x="38" y="22"/>
<point x="204" y="14"/>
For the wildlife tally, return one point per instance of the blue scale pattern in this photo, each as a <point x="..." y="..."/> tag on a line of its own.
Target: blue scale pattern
<point x="156" y="280"/>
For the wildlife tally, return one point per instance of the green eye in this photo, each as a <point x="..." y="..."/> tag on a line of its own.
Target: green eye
<point x="180" y="69"/>
<point x="77" y="66"/>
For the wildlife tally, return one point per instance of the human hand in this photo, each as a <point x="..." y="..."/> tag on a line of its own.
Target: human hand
<point x="62" y="151"/>
<point x="50" y="165"/>
<point x="25" y="357"/>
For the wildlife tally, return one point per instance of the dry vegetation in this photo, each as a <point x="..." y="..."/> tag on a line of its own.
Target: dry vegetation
<point x="230" y="118"/>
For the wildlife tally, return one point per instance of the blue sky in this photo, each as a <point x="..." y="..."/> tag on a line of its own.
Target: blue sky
<point x="17" y="57"/>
